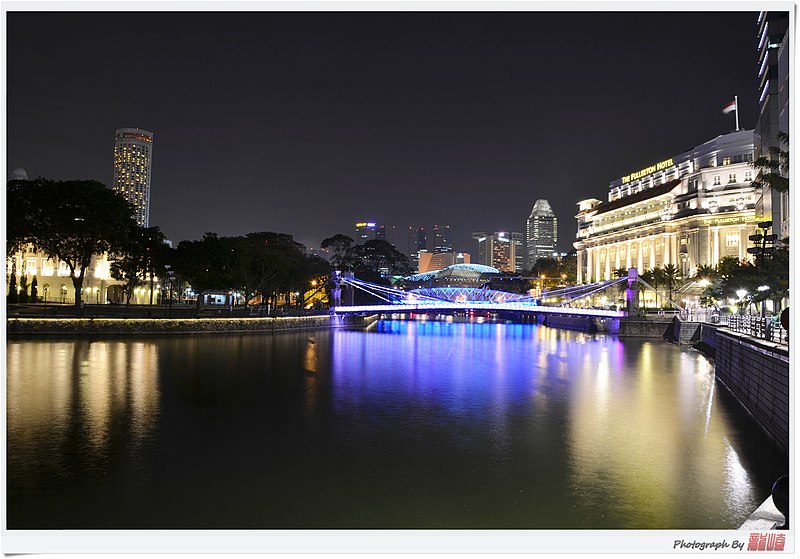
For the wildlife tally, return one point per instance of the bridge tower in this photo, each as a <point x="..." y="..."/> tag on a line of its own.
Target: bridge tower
<point x="632" y="294"/>
<point x="336" y="290"/>
<point x="348" y="293"/>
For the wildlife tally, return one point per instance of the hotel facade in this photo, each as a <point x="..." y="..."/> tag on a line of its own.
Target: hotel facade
<point x="133" y="157"/>
<point x="689" y="210"/>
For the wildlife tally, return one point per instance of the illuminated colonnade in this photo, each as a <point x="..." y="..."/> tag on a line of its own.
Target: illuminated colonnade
<point x="54" y="282"/>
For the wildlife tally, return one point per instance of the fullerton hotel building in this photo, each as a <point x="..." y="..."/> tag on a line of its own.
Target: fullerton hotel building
<point x="692" y="209"/>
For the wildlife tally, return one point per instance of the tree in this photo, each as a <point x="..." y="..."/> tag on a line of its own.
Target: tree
<point x="670" y="275"/>
<point x="548" y="267"/>
<point x="70" y="221"/>
<point x="710" y="275"/>
<point x="773" y="274"/>
<point x="139" y="259"/>
<point x="705" y="272"/>
<point x="655" y="277"/>
<point x="13" y="296"/>
<point x="377" y="258"/>
<point x="34" y="290"/>
<point x="267" y="263"/>
<point x="773" y="170"/>
<point x="342" y="247"/>
<point x="727" y="266"/>
<point x="23" y="286"/>
<point x="204" y="263"/>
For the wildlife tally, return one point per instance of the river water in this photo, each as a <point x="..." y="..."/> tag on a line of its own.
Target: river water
<point x="404" y="425"/>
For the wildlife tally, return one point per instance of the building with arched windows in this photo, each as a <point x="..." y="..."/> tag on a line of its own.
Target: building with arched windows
<point x="688" y="210"/>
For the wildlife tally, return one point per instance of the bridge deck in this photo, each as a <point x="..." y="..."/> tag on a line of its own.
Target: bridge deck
<point x="477" y="306"/>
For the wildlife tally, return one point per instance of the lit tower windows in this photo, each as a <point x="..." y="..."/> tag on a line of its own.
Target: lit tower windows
<point x="132" y="162"/>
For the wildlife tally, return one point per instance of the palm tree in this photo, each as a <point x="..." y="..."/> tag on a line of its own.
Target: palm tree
<point x="671" y="275"/>
<point x="705" y="272"/>
<point x="707" y="275"/>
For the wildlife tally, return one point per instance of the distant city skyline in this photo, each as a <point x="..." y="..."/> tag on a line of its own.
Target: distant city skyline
<point x="407" y="118"/>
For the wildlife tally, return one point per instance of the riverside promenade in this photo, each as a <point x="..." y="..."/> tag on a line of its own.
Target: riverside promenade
<point x="33" y="320"/>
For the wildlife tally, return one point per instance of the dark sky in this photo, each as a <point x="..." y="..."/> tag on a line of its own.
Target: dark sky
<point x="305" y="123"/>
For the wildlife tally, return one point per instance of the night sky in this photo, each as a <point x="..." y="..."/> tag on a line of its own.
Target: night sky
<point x="305" y="123"/>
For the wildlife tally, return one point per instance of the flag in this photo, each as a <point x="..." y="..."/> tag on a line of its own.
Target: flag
<point x="729" y="107"/>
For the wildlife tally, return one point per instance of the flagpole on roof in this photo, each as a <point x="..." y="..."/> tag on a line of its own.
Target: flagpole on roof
<point x="736" y="106"/>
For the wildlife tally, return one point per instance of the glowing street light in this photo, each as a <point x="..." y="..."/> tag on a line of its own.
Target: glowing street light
<point x="741" y="294"/>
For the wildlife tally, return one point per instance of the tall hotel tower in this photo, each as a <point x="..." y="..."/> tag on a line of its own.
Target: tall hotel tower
<point x="773" y="105"/>
<point x="133" y="154"/>
<point x="541" y="232"/>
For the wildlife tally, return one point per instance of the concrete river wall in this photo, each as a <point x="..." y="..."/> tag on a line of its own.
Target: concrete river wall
<point x="159" y="326"/>
<point x="757" y="374"/>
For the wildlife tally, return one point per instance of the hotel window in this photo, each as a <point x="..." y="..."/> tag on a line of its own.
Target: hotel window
<point x="716" y="180"/>
<point x="748" y="176"/>
<point x="726" y="160"/>
<point x="731" y="178"/>
<point x="732" y="240"/>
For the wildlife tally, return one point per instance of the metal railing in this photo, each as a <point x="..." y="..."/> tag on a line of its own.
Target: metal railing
<point x="765" y="328"/>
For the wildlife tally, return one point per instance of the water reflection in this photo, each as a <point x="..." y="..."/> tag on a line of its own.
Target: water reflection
<point x="642" y="438"/>
<point x="54" y="387"/>
<point x="418" y="424"/>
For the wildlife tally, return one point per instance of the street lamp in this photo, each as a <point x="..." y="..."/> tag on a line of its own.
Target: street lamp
<point x="741" y="293"/>
<point x="761" y="289"/>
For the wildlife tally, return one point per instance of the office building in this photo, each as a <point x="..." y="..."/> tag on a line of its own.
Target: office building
<point x="389" y="234"/>
<point x="500" y="250"/>
<point x="367" y="230"/>
<point x="691" y="209"/>
<point x="439" y="260"/>
<point x="441" y="238"/>
<point x="133" y="156"/>
<point x="518" y="240"/>
<point x="417" y="242"/>
<point x="541" y="232"/>
<point x="773" y="105"/>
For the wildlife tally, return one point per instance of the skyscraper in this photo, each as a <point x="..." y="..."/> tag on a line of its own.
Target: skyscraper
<point x="133" y="155"/>
<point x="367" y="230"/>
<point x="499" y="250"/>
<point x="518" y="240"/>
<point x="441" y="239"/>
<point x="417" y="241"/>
<point x="773" y="104"/>
<point x="541" y="232"/>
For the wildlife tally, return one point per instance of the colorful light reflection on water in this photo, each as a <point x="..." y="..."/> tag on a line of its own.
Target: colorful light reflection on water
<point x="418" y="424"/>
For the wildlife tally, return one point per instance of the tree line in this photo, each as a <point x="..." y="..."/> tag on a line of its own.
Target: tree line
<point x="73" y="221"/>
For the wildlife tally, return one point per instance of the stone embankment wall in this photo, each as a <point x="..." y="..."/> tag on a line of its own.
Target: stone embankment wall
<point x="582" y="323"/>
<point x="123" y="326"/>
<point x="757" y="373"/>
<point x="651" y="327"/>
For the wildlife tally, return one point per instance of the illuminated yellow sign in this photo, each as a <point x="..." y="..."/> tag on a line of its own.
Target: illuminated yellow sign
<point x="720" y="220"/>
<point x="648" y="171"/>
